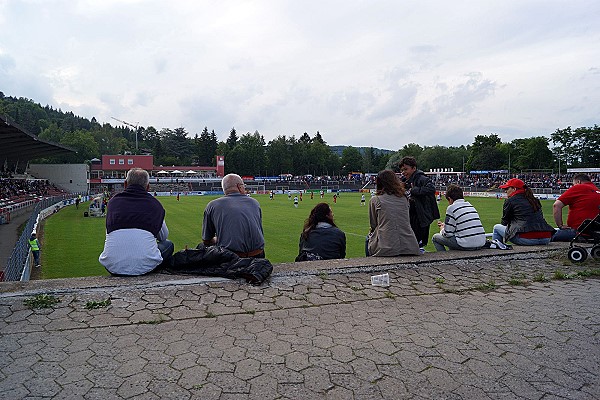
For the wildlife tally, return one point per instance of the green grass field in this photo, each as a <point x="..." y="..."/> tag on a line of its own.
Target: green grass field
<point x="72" y="243"/>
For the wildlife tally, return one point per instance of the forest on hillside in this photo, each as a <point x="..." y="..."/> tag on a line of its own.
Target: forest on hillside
<point x="250" y="154"/>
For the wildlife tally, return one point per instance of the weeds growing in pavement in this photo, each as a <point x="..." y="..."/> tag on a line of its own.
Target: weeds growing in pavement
<point x="41" y="301"/>
<point x="559" y="275"/>
<point x="93" y="305"/>
<point x="484" y="287"/>
<point x="589" y="273"/>
<point x="439" y="280"/>
<point x="540" y="278"/>
<point x="517" y="280"/>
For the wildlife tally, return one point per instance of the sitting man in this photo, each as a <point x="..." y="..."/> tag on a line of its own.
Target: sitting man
<point x="462" y="229"/>
<point x="583" y="199"/>
<point x="134" y="223"/>
<point x="234" y="221"/>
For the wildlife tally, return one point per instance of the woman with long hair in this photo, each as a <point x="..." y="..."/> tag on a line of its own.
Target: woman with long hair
<point x="321" y="239"/>
<point x="390" y="234"/>
<point x="522" y="220"/>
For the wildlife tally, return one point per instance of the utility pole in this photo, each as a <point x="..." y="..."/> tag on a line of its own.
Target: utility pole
<point x="135" y="129"/>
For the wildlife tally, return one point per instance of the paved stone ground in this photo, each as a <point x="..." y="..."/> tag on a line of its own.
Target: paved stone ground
<point x="500" y="327"/>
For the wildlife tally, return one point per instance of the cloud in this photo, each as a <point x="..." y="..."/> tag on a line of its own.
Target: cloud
<point x="362" y="73"/>
<point x="463" y="97"/>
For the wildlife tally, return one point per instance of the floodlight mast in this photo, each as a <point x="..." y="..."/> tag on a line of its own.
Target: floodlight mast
<point x="133" y="126"/>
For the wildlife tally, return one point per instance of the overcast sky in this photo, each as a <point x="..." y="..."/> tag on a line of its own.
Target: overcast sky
<point x="363" y="73"/>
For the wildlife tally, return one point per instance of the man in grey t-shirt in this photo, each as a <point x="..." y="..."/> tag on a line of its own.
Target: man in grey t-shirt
<point x="234" y="221"/>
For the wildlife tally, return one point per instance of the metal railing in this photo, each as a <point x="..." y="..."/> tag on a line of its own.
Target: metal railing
<point x="18" y="265"/>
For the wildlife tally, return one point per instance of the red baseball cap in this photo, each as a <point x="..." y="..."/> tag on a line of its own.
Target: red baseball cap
<point x="513" y="182"/>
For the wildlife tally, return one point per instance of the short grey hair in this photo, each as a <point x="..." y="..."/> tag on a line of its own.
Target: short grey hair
<point x="138" y="176"/>
<point x="231" y="181"/>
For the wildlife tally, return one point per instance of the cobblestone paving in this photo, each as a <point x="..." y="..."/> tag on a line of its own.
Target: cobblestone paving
<point x="497" y="328"/>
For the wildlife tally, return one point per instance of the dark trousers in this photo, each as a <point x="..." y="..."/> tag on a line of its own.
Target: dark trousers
<point x="422" y="234"/>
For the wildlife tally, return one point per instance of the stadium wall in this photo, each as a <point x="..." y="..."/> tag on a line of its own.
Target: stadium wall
<point x="71" y="177"/>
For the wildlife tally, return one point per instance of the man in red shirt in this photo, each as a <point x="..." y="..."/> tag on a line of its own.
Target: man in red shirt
<point x="583" y="199"/>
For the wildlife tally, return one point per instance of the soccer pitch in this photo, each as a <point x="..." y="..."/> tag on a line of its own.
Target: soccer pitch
<point x="72" y="243"/>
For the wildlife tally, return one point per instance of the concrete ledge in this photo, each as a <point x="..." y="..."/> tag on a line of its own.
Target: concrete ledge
<point x="343" y="266"/>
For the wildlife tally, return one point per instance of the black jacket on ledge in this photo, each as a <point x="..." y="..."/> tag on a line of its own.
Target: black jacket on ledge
<point x="219" y="261"/>
<point x="519" y="217"/>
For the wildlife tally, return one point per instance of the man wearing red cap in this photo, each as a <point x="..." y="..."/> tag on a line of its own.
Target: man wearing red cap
<point x="522" y="221"/>
<point x="583" y="199"/>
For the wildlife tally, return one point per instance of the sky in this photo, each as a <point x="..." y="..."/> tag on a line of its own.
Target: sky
<point x="361" y="72"/>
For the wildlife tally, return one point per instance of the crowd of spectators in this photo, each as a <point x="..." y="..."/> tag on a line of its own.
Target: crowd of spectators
<point x="479" y="182"/>
<point x="16" y="190"/>
<point x="553" y="182"/>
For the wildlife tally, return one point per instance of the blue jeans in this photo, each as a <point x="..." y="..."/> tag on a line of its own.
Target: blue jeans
<point x="36" y="256"/>
<point x="564" y="235"/>
<point x="500" y="232"/>
<point x="440" y="242"/>
<point x="166" y="248"/>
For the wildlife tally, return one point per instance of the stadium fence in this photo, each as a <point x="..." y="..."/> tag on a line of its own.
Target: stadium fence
<point x="18" y="267"/>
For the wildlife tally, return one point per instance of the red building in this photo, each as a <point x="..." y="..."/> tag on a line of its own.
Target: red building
<point x="112" y="169"/>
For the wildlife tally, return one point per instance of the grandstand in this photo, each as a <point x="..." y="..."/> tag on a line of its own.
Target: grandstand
<point x="21" y="195"/>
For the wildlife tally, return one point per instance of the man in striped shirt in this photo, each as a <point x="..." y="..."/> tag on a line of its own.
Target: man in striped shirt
<point x="462" y="229"/>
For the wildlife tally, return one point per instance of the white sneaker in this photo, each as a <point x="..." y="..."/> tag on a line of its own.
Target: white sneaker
<point x="496" y="244"/>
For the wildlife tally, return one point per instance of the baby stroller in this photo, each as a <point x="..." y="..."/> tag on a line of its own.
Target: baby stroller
<point x="588" y="232"/>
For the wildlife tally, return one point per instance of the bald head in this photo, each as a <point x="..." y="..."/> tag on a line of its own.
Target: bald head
<point x="231" y="182"/>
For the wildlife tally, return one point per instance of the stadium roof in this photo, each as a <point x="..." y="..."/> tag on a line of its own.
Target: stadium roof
<point x="17" y="145"/>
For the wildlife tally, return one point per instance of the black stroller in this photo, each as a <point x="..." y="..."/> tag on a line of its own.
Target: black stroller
<point x="588" y="232"/>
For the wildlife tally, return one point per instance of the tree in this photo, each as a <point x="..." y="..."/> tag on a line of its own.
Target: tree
<point x="485" y="153"/>
<point x="530" y="154"/>
<point x="279" y="158"/>
<point x="588" y="140"/>
<point x="248" y="156"/>
<point x="565" y="146"/>
<point x="176" y="146"/>
<point x="381" y="161"/>
<point x="352" y="160"/>
<point x="411" y="149"/>
<point x="212" y="146"/>
<point x="319" y="138"/>
<point x="52" y="133"/>
<point x="83" y="142"/>
<point x="204" y="148"/>
<point x="232" y="139"/>
<point x="318" y="155"/>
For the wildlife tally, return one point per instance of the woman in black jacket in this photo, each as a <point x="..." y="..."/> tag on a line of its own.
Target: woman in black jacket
<point x="522" y="221"/>
<point x="321" y="239"/>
